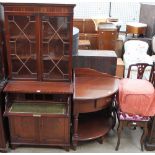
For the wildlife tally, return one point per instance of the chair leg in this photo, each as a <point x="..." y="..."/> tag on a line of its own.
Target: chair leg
<point x="113" y="119"/>
<point x="120" y="127"/>
<point x="144" y="134"/>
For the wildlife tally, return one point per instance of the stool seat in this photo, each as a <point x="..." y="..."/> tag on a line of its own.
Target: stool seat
<point x="135" y="24"/>
<point x="136" y="28"/>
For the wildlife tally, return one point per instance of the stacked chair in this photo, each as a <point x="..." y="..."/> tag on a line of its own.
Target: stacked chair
<point x="136" y="52"/>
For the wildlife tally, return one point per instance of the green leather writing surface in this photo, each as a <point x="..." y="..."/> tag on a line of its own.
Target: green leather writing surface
<point x="54" y="108"/>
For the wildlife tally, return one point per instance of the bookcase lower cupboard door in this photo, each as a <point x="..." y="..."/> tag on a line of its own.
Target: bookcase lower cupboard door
<point x="39" y="123"/>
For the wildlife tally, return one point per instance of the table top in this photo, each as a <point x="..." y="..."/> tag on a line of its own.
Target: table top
<point x="91" y="84"/>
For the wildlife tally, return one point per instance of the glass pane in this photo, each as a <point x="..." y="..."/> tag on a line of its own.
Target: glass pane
<point x="23" y="46"/>
<point x="55" y="48"/>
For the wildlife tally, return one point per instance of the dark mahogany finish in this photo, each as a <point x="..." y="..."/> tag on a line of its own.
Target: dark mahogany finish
<point x="39" y="87"/>
<point x="140" y="70"/>
<point x="38" y="128"/>
<point x="39" y="41"/>
<point x="107" y="36"/>
<point x="39" y="51"/>
<point x="93" y="91"/>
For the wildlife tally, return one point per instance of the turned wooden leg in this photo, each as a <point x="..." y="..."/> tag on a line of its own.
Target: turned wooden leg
<point x="120" y="127"/>
<point x="100" y="140"/>
<point x="67" y="148"/>
<point x="75" y="135"/>
<point x="13" y="147"/>
<point x="143" y="137"/>
<point x="4" y="150"/>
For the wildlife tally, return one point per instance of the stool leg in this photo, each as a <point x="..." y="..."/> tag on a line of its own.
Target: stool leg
<point x="120" y="127"/>
<point x="144" y="134"/>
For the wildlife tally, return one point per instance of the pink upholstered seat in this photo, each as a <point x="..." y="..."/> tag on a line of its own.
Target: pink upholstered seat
<point x="136" y="96"/>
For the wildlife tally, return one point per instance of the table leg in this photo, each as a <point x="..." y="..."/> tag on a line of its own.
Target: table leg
<point x="75" y="136"/>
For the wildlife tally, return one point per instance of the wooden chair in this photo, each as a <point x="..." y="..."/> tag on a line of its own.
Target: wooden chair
<point x="126" y="117"/>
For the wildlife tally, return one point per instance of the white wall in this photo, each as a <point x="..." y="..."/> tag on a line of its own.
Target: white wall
<point x="124" y="11"/>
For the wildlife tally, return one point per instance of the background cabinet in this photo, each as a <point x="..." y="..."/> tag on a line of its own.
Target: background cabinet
<point x="107" y="36"/>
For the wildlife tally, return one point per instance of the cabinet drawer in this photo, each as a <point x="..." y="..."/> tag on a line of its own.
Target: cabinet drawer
<point x="91" y="105"/>
<point x="108" y="35"/>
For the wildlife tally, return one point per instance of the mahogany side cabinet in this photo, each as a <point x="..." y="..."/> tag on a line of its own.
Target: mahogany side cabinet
<point x="107" y="36"/>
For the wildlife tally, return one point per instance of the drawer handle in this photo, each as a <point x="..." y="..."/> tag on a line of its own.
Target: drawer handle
<point x="35" y="115"/>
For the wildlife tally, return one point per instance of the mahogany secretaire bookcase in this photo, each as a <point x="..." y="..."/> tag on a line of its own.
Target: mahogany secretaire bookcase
<point x="39" y="90"/>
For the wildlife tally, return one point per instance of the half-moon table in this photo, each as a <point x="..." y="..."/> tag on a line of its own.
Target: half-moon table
<point x="93" y="95"/>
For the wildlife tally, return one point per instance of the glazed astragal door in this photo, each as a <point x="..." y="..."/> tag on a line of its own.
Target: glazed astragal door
<point x="55" y="48"/>
<point x="22" y="46"/>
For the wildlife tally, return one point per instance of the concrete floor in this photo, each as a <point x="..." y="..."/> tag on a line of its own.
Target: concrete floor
<point x="130" y="142"/>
